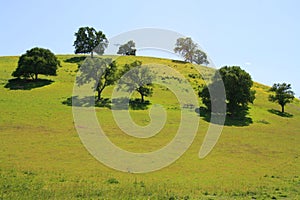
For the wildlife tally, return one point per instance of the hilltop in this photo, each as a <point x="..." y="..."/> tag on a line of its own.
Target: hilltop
<point x="42" y="156"/>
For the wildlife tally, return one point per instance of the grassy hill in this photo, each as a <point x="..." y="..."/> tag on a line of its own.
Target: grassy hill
<point x="42" y="157"/>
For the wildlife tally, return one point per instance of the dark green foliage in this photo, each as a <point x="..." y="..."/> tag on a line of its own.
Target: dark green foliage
<point x="36" y="61"/>
<point x="137" y="78"/>
<point x="283" y="94"/>
<point x="101" y="71"/>
<point x="88" y="40"/>
<point x="212" y="97"/>
<point x="127" y="49"/>
<point x="237" y="83"/>
<point x="189" y="50"/>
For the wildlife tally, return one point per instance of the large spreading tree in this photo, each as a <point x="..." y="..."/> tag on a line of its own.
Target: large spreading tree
<point x="127" y="49"/>
<point x="36" y="61"/>
<point x="237" y="83"/>
<point x="101" y="71"/>
<point x="283" y="94"/>
<point x="137" y="78"/>
<point x="88" y="40"/>
<point x="189" y="50"/>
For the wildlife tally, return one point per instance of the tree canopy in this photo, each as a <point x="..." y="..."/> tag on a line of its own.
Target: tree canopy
<point x="237" y="83"/>
<point x="190" y="51"/>
<point x="127" y="49"/>
<point x="102" y="71"/>
<point x="283" y="94"/>
<point x="137" y="78"/>
<point x="36" y="61"/>
<point x="88" y="40"/>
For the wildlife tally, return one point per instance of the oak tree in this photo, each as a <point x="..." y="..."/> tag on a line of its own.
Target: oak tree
<point x="190" y="51"/>
<point x="36" y="61"/>
<point x="283" y="94"/>
<point x="88" y="40"/>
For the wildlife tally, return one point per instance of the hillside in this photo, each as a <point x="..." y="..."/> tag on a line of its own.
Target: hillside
<point x="42" y="157"/>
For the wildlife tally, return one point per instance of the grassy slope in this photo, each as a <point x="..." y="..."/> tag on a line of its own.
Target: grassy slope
<point x="41" y="155"/>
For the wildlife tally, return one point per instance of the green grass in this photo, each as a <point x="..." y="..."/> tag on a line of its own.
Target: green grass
<point x="42" y="157"/>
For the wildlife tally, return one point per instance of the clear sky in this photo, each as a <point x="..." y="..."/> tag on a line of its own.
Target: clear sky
<point x="261" y="36"/>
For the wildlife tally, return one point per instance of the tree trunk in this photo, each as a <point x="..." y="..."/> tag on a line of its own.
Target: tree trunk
<point x="142" y="97"/>
<point x="92" y="54"/>
<point x="36" y="77"/>
<point x="282" y="108"/>
<point x="99" y="95"/>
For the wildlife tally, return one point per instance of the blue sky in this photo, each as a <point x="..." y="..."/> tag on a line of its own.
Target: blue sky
<point x="261" y="36"/>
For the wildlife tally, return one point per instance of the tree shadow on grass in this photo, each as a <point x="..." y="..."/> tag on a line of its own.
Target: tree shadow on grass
<point x="76" y="59"/>
<point x="118" y="103"/>
<point x="277" y="112"/>
<point x="26" y="84"/>
<point x="239" y="119"/>
<point x="87" y="102"/>
<point x="179" y="61"/>
<point x="135" y="104"/>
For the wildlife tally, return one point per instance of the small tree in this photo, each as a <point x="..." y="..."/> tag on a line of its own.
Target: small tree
<point x="283" y="94"/>
<point x="237" y="83"/>
<point x="189" y="50"/>
<point x="88" y="40"/>
<point x="138" y="79"/>
<point x="127" y="49"/>
<point x="36" y="61"/>
<point x="102" y="71"/>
